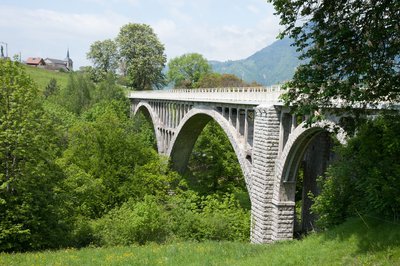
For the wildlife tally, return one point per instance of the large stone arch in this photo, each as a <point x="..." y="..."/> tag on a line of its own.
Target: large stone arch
<point x="152" y="117"/>
<point x="189" y="129"/>
<point x="311" y="144"/>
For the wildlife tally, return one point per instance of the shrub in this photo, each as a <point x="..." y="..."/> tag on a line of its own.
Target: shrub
<point x="366" y="178"/>
<point x="213" y="217"/>
<point x="132" y="223"/>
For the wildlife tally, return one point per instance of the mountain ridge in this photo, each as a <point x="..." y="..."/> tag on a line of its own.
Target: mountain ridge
<point x="274" y="64"/>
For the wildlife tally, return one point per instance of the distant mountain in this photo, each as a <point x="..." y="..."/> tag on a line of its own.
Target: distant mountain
<point x="273" y="64"/>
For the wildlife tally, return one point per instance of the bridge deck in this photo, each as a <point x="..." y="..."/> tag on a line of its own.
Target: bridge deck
<point x="249" y="96"/>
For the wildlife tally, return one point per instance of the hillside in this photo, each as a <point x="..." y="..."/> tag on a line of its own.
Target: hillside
<point x="273" y="64"/>
<point x="43" y="76"/>
<point x="356" y="242"/>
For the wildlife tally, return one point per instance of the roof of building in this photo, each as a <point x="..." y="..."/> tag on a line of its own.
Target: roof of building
<point x="55" y="61"/>
<point x="34" y="61"/>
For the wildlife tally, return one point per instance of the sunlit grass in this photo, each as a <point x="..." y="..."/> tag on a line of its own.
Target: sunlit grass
<point x="354" y="243"/>
<point x="43" y="76"/>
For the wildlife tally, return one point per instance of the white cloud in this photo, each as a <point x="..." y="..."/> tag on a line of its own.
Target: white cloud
<point x="47" y="33"/>
<point x="113" y="2"/>
<point x="226" y="42"/>
<point x="165" y="29"/>
<point x="253" y="9"/>
<point x="129" y="2"/>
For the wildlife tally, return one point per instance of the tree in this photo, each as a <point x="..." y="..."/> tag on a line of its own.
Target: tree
<point x="366" y="177"/>
<point x="107" y="162"/>
<point x="104" y="55"/>
<point x="29" y="217"/>
<point x="76" y="96"/>
<point x="350" y="50"/>
<point x="105" y="58"/>
<point x="186" y="70"/>
<point x="51" y="88"/>
<point x="213" y="164"/>
<point x="142" y="56"/>
<point x="216" y="80"/>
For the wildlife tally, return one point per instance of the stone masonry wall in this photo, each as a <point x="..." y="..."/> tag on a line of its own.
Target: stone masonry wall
<point x="265" y="152"/>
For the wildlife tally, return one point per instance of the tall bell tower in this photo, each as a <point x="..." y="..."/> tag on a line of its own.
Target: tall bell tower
<point x="69" y="62"/>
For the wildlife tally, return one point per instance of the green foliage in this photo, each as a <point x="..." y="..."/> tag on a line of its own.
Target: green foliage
<point x="185" y="216"/>
<point x="108" y="90"/>
<point x="186" y="70"/>
<point x="222" y="218"/>
<point x="28" y="175"/>
<point x="213" y="165"/>
<point x="104" y="55"/>
<point x="81" y="93"/>
<point x="42" y="77"/>
<point x="365" y="179"/>
<point x="350" y="51"/>
<point x="216" y="80"/>
<point x="51" y="88"/>
<point x="76" y="95"/>
<point x="352" y="243"/>
<point x="133" y="223"/>
<point x="107" y="162"/>
<point x="142" y="56"/>
<point x="102" y="153"/>
<point x="75" y="170"/>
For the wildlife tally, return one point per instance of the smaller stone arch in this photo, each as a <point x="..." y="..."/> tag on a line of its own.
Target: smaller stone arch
<point x="298" y="142"/>
<point x="153" y="118"/>
<point x="189" y="129"/>
<point x="288" y="164"/>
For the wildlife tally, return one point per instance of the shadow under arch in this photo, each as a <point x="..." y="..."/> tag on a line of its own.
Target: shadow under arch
<point x="187" y="133"/>
<point x="309" y="149"/>
<point x="151" y="117"/>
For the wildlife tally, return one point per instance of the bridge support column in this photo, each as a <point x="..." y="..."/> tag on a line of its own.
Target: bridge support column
<point x="265" y="153"/>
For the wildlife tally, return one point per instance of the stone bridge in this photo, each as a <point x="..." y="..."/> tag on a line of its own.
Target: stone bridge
<point x="270" y="143"/>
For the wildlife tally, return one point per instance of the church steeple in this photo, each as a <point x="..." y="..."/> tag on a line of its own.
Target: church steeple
<point x="68" y="61"/>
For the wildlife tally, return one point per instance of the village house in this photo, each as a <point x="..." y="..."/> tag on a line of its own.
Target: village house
<point x="57" y="64"/>
<point x="52" y="63"/>
<point x="35" y="61"/>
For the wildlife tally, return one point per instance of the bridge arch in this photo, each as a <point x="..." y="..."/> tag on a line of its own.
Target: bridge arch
<point x="151" y="116"/>
<point x="189" y="129"/>
<point x="311" y="146"/>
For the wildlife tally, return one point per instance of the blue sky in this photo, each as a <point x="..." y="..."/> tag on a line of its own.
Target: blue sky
<point x="218" y="29"/>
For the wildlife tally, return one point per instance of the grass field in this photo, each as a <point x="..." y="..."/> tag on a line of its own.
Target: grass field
<point x="356" y="242"/>
<point x="43" y="76"/>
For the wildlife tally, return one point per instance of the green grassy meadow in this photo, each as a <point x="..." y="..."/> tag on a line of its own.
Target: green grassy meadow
<point x="43" y="76"/>
<point x="373" y="242"/>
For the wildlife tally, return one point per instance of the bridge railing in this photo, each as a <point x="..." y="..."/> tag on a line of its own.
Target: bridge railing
<point x="234" y="94"/>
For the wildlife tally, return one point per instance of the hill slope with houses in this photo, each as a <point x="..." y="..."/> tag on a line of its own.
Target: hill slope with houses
<point x="65" y="65"/>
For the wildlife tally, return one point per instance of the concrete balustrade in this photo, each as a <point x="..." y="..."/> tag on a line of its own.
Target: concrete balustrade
<point x="249" y="95"/>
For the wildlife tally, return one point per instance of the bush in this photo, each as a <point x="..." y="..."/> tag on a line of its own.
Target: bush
<point x="214" y="217"/>
<point x="132" y="223"/>
<point x="366" y="178"/>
